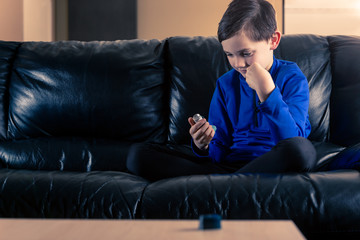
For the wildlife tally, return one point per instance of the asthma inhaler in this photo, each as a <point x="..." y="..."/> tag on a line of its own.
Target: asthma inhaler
<point x="197" y="117"/>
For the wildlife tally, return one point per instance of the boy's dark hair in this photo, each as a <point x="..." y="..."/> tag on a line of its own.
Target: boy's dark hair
<point x="256" y="18"/>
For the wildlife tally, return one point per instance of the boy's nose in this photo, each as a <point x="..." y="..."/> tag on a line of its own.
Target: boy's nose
<point x="239" y="62"/>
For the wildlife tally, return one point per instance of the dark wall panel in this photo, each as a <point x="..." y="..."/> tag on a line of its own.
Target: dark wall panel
<point x="102" y="19"/>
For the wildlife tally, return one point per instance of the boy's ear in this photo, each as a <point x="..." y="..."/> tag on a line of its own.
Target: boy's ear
<point x="275" y="40"/>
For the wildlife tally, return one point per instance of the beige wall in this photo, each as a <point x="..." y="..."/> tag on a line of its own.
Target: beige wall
<point x="165" y="18"/>
<point x="26" y="20"/>
<point x="33" y="20"/>
<point x="38" y="20"/>
<point x="278" y="5"/>
<point x="11" y="20"/>
<point x="323" y="17"/>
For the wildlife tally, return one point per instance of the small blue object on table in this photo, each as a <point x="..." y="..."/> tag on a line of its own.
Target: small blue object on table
<point x="210" y="221"/>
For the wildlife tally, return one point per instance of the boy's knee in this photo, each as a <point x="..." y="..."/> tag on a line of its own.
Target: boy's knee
<point x="301" y="152"/>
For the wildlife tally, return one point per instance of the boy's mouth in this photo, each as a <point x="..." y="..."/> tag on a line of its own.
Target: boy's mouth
<point x="243" y="71"/>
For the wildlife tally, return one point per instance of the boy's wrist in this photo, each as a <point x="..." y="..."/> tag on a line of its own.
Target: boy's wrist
<point x="202" y="152"/>
<point x="203" y="148"/>
<point x="265" y="93"/>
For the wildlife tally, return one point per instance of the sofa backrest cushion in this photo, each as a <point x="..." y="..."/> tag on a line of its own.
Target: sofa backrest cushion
<point x="195" y="65"/>
<point x="8" y="51"/>
<point x="345" y="96"/>
<point x="312" y="55"/>
<point x="94" y="89"/>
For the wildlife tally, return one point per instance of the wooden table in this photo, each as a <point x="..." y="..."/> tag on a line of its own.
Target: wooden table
<point x="46" y="229"/>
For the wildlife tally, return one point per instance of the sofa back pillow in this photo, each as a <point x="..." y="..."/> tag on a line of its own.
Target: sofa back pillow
<point x="196" y="64"/>
<point x="345" y="97"/>
<point x="93" y="89"/>
<point x="7" y="55"/>
<point x="312" y="55"/>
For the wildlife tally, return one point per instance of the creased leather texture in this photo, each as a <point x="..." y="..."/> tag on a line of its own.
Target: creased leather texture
<point x="345" y="104"/>
<point x="44" y="194"/>
<point x="309" y="199"/>
<point x="89" y="89"/>
<point x="196" y="63"/>
<point x="65" y="154"/>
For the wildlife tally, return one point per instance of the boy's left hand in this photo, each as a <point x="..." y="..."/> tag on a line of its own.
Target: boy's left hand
<point x="259" y="79"/>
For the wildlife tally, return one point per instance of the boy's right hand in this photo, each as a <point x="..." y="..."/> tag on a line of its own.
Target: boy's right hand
<point x="201" y="133"/>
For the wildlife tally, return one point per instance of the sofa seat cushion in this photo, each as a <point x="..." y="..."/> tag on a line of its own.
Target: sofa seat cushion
<point x="64" y="154"/>
<point x="55" y="194"/>
<point x="321" y="202"/>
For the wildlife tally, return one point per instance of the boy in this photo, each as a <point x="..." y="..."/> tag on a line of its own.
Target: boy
<point x="260" y="108"/>
<point x="260" y="102"/>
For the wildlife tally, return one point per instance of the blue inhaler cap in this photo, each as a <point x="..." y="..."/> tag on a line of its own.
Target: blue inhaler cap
<point x="210" y="221"/>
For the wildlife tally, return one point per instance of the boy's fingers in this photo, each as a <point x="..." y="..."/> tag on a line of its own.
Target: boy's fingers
<point x="209" y="134"/>
<point x="200" y="131"/>
<point x="191" y="121"/>
<point x="204" y="134"/>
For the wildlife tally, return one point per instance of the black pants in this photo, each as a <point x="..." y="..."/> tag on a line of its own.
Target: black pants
<point x="154" y="162"/>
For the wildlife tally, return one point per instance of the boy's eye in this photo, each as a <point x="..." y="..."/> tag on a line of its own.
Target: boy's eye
<point x="242" y="54"/>
<point x="246" y="54"/>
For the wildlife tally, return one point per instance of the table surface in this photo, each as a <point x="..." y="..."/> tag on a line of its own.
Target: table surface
<point x="63" y="229"/>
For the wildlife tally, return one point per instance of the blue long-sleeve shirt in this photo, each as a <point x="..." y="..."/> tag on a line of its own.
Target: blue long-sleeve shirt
<point x="247" y="128"/>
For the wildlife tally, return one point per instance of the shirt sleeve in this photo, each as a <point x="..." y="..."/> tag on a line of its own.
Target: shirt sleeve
<point x="220" y="145"/>
<point x="287" y="106"/>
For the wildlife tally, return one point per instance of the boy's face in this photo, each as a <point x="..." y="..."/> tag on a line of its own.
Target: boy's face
<point x="242" y="52"/>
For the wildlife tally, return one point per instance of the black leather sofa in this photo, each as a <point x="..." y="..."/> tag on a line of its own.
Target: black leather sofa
<point x="69" y="111"/>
